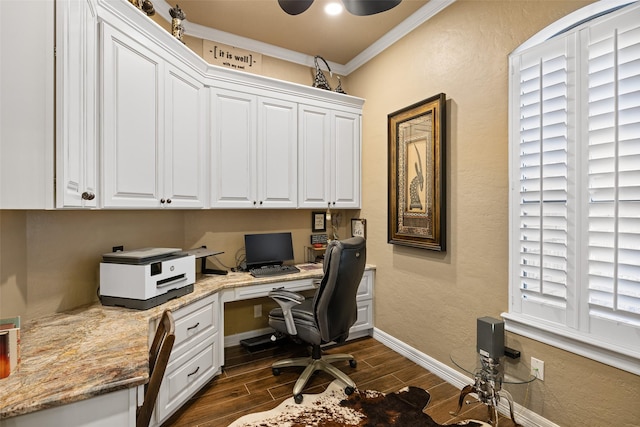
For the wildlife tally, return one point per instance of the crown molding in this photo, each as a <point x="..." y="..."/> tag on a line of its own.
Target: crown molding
<point x="419" y="17"/>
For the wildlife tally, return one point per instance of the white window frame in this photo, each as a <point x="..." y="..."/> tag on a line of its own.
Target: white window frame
<point x="565" y="322"/>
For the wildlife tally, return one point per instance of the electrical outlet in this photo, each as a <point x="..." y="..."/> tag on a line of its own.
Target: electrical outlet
<point x="257" y="310"/>
<point x="537" y="368"/>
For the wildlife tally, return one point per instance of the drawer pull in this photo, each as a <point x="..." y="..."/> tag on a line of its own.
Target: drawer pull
<point x="194" y="372"/>
<point x="193" y="327"/>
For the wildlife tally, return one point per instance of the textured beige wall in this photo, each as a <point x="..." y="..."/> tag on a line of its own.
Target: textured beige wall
<point x="13" y="265"/>
<point x="49" y="259"/>
<point x="431" y="300"/>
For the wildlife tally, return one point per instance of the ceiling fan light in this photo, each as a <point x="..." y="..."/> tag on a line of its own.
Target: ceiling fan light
<point x="333" y="9"/>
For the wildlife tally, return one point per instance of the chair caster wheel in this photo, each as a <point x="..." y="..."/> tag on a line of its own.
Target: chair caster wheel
<point x="275" y="371"/>
<point x="298" y="398"/>
<point x="349" y="390"/>
<point x="353" y="363"/>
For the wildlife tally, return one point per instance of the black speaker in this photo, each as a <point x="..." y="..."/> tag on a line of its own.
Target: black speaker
<point x="490" y="337"/>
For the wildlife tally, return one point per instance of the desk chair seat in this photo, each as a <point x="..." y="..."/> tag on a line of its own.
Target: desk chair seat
<point x="158" y="359"/>
<point x="324" y="318"/>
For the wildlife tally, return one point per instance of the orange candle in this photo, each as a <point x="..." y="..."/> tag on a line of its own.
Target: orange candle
<point x="5" y="368"/>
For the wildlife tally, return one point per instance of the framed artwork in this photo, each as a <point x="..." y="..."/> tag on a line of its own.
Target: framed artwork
<point x="318" y="221"/>
<point x="416" y="181"/>
<point x="359" y="227"/>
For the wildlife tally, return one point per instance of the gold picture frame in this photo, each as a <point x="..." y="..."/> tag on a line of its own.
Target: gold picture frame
<point x="416" y="137"/>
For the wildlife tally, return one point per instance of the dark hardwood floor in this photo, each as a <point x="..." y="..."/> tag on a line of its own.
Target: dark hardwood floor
<point x="247" y="384"/>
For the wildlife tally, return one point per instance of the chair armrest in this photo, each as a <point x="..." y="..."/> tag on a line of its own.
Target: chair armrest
<point x="286" y="300"/>
<point x="283" y="295"/>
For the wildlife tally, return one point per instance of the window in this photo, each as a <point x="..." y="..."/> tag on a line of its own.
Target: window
<point x="574" y="278"/>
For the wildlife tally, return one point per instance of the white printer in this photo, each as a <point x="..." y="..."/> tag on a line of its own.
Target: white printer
<point x="145" y="278"/>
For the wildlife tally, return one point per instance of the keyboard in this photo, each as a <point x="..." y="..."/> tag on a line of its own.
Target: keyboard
<point x="273" y="270"/>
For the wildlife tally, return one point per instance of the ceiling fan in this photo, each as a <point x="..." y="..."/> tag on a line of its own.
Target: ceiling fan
<point x="355" y="7"/>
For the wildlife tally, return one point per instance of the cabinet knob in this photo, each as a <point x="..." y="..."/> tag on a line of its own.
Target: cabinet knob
<point x="260" y="201"/>
<point x="88" y="196"/>
<point x="162" y="201"/>
<point x="168" y="200"/>
<point x="254" y="202"/>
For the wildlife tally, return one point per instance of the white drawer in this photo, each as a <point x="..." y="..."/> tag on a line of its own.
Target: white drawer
<point x="195" y="319"/>
<point x="258" y="291"/>
<point x="186" y="375"/>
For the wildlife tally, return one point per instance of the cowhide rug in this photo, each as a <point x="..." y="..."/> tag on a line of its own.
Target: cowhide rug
<point x="333" y="408"/>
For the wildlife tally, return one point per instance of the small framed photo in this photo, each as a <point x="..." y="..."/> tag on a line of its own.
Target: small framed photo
<point x="359" y="227"/>
<point x="318" y="221"/>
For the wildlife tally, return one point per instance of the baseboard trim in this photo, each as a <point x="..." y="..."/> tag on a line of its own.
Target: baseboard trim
<point x="524" y="416"/>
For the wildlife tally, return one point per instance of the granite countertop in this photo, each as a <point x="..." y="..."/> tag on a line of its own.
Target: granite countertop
<point x="92" y="350"/>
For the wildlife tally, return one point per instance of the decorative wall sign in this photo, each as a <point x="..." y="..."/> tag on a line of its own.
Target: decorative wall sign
<point x="231" y="57"/>
<point x="318" y="221"/>
<point x="416" y="175"/>
<point x="359" y="227"/>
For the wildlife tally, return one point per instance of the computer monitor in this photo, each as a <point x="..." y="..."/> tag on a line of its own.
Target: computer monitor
<point x="267" y="249"/>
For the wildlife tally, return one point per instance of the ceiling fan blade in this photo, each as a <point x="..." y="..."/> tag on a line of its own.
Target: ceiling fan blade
<point x="369" y="7"/>
<point x="295" y="7"/>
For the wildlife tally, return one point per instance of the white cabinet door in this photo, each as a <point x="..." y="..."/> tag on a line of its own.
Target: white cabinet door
<point x="184" y="135"/>
<point x="26" y="104"/>
<point x="277" y="154"/>
<point x="131" y="78"/>
<point x="330" y="158"/>
<point x="314" y="134"/>
<point x="233" y="151"/>
<point x="76" y="86"/>
<point x="346" y="167"/>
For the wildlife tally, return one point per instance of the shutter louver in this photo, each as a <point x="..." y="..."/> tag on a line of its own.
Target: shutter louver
<point x="614" y="176"/>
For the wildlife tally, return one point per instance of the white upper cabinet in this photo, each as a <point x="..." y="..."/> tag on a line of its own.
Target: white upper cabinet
<point x="26" y="104"/>
<point x="185" y="141"/>
<point x="277" y="184"/>
<point x="314" y="132"/>
<point x="233" y="149"/>
<point x="346" y="160"/>
<point x="330" y="158"/>
<point x="103" y="108"/>
<point x="153" y="117"/>
<point x="131" y="95"/>
<point x="254" y="151"/>
<point x="76" y="102"/>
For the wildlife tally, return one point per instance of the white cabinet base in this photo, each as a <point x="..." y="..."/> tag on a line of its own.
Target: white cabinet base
<point x="112" y="409"/>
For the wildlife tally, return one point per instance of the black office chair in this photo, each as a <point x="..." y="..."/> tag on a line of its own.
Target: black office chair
<point x="324" y="318"/>
<point x="158" y="359"/>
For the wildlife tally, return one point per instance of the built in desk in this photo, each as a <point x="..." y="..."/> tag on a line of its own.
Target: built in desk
<point x="88" y="366"/>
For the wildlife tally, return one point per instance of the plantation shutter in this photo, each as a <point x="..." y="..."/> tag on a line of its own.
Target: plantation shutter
<point x="575" y="190"/>
<point x="543" y="105"/>
<point x="614" y="180"/>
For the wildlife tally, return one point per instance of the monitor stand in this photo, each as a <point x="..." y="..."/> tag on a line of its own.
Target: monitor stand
<point x="202" y="253"/>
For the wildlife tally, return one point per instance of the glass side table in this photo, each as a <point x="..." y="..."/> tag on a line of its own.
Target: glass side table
<point x="489" y="375"/>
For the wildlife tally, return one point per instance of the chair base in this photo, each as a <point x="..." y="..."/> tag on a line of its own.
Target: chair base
<point x="311" y="364"/>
